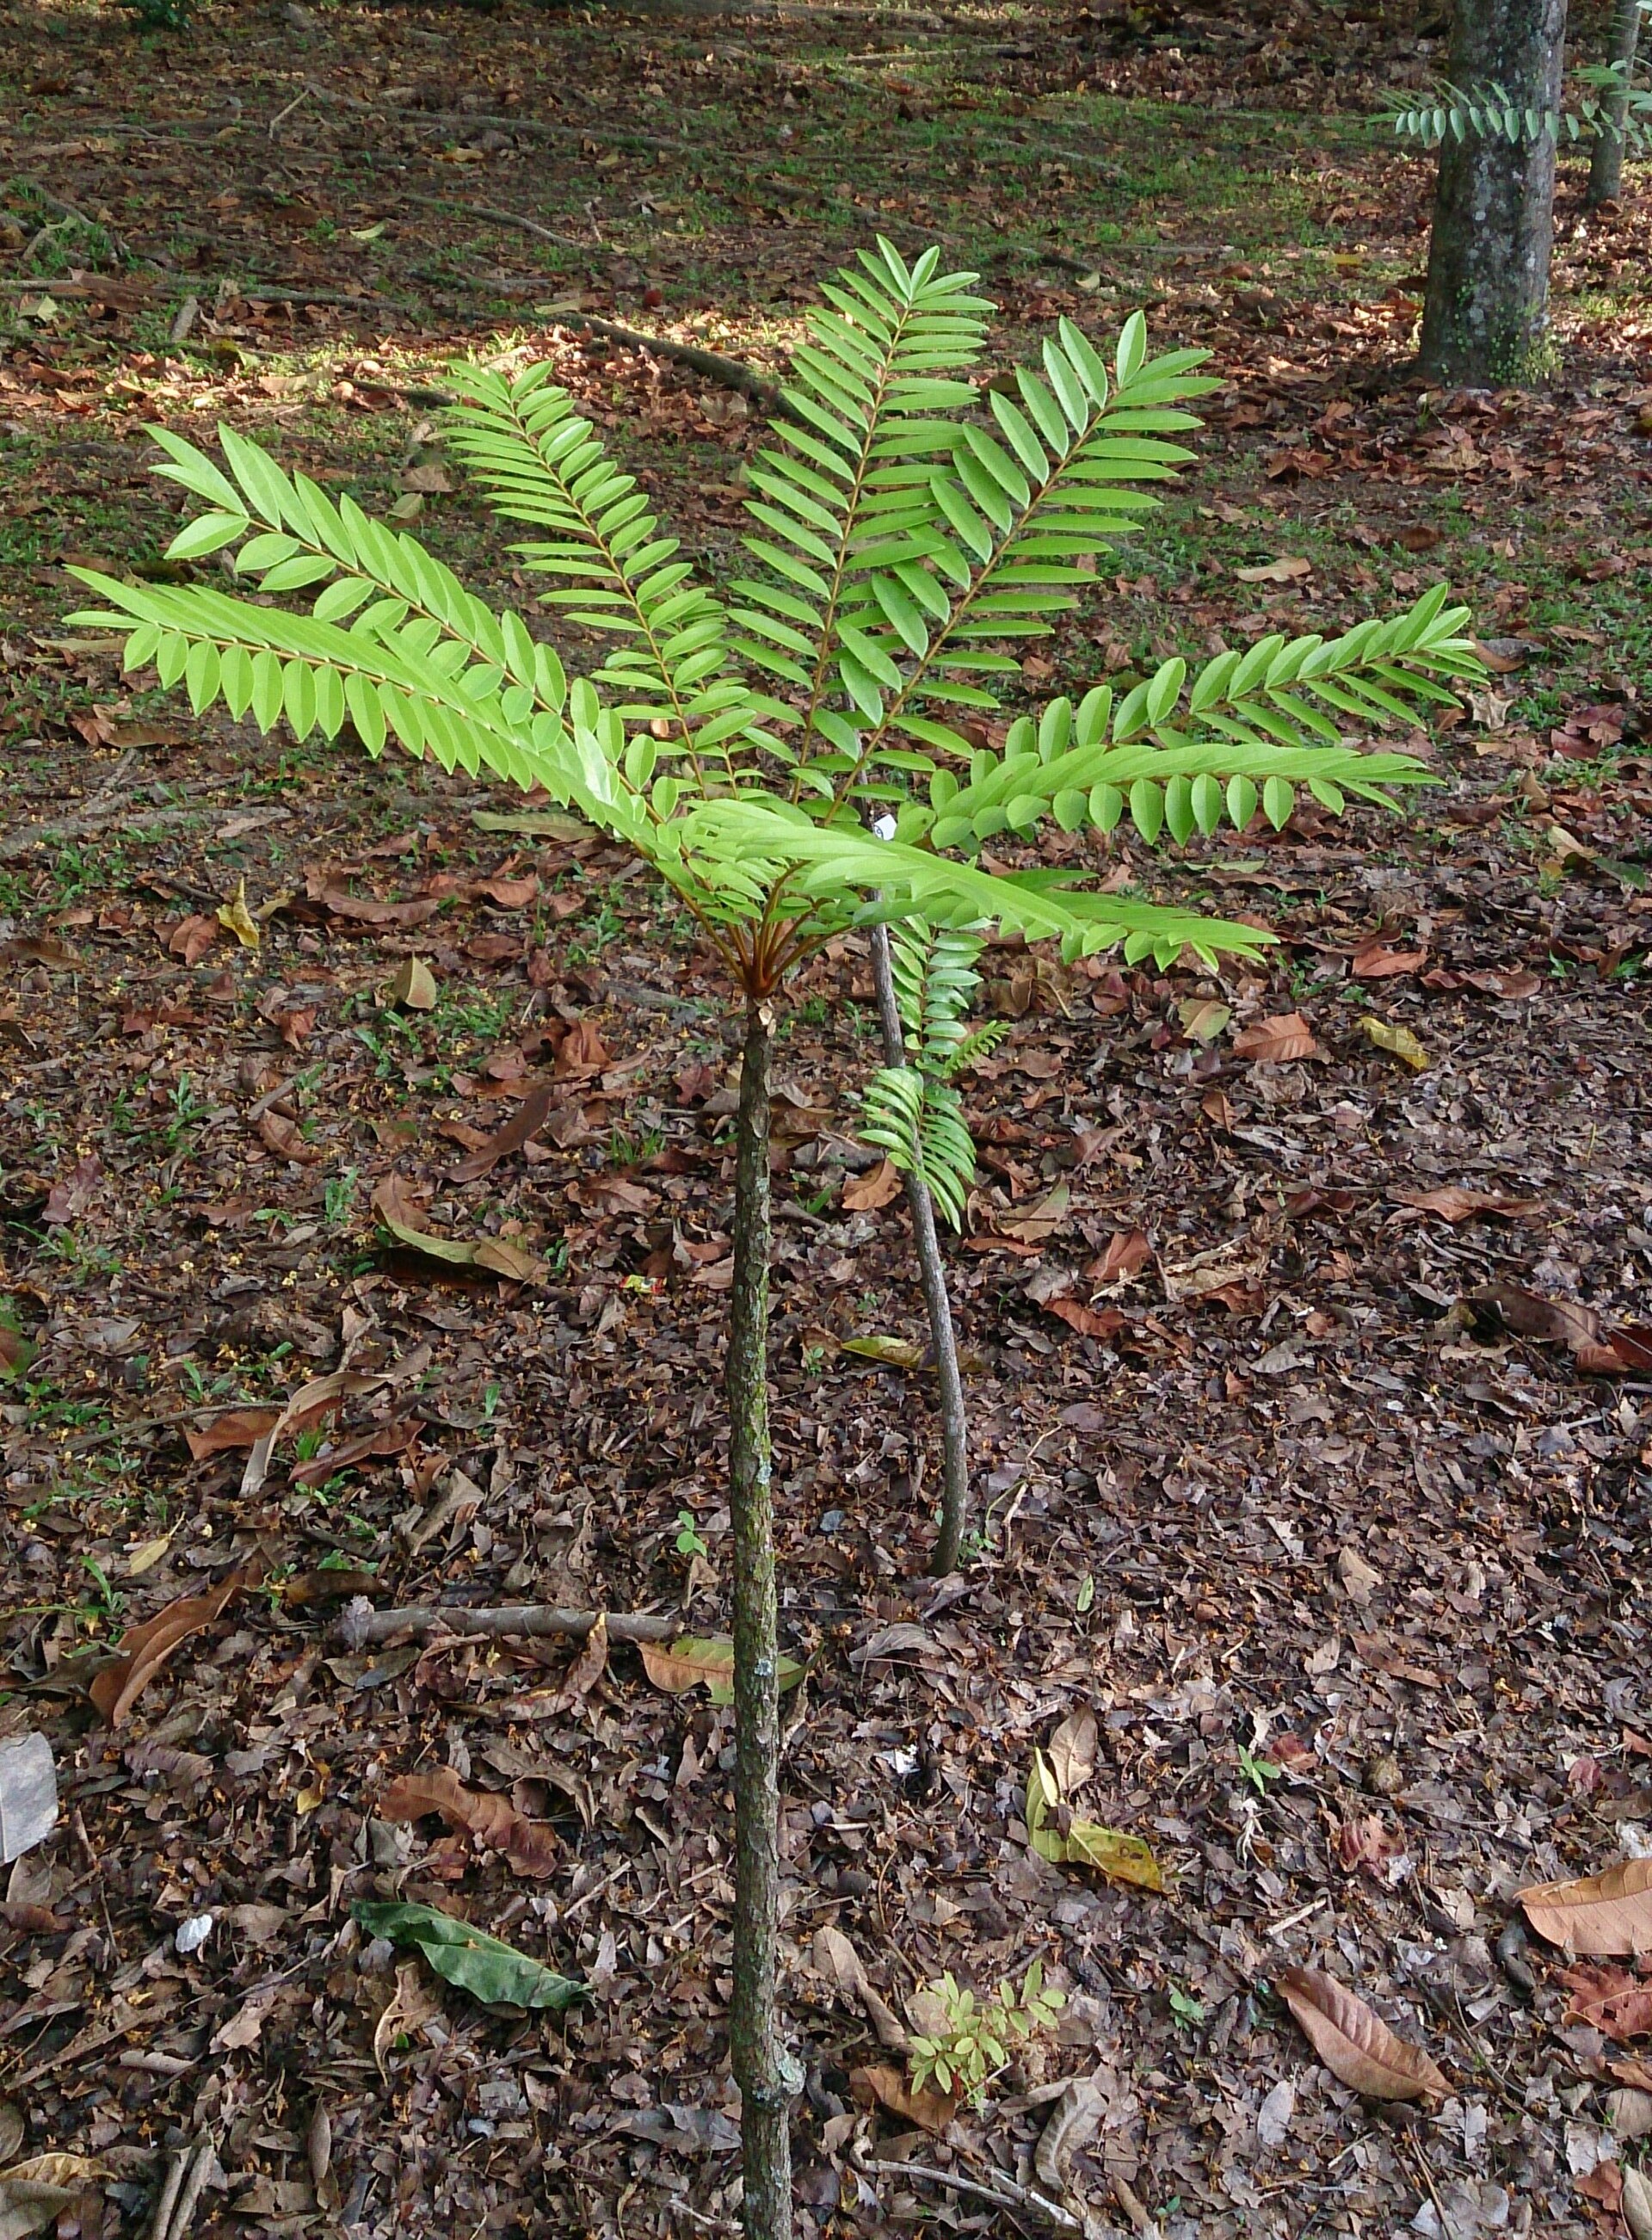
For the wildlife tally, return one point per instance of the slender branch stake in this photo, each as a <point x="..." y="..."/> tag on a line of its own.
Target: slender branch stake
<point x="761" y="2066"/>
<point x="932" y="1270"/>
<point x="360" y="1626"/>
<point x="1007" y="2193"/>
<point x="1606" y="163"/>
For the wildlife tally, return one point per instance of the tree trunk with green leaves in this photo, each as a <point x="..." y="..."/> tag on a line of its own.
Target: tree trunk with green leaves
<point x="1606" y="163"/>
<point x="932" y="1274"/>
<point x="763" y="2068"/>
<point x="1485" y="321"/>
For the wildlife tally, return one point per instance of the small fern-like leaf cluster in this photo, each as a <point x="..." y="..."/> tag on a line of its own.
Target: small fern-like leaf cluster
<point x="913" y="1112"/>
<point x="1612" y="107"/>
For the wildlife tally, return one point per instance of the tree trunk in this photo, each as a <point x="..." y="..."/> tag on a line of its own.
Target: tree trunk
<point x="1605" y="165"/>
<point x="763" y="2069"/>
<point x="932" y="1273"/>
<point x="1485" y="322"/>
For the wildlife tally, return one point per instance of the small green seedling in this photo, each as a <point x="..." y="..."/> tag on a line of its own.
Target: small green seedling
<point x="689" y="1541"/>
<point x="1258" y="1771"/>
<point x="1188" y="2012"/>
<point x="975" y="2041"/>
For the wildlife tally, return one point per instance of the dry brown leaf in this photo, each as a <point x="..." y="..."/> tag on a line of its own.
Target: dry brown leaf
<point x="523" y="1124"/>
<point x="1127" y="1252"/>
<point x="1075" y="2118"/>
<point x="878" y="1186"/>
<point x="836" y="1958"/>
<point x="1636" y="2205"/>
<point x="582" y="1052"/>
<point x="1277" y="1041"/>
<point x="1605" y="1914"/>
<point x="240" y="1427"/>
<point x="1072" y="1750"/>
<point x="880" y="2086"/>
<point x="414" y="986"/>
<point x="1454" y="1204"/>
<point x="34" y="2194"/>
<point x="1089" y="1322"/>
<point x="144" y="1648"/>
<point x="1287" y="570"/>
<point x="1372" y="962"/>
<point x="1609" y="2000"/>
<point x="286" y="1139"/>
<point x="586" y="1668"/>
<point x="529" y="1847"/>
<point x="1357" y="2045"/>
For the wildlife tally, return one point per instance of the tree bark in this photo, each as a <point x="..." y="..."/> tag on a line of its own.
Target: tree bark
<point x="764" y="2071"/>
<point x="1485" y="323"/>
<point x="932" y="1274"/>
<point x="1606" y="163"/>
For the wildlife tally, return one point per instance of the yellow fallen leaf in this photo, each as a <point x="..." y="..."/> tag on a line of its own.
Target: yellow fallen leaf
<point x="1067" y="1840"/>
<point x="708" y="1659"/>
<point x="1202" y="1018"/>
<point x="893" y="1352"/>
<point x="1399" y="1042"/>
<point x="146" y="1556"/>
<point x="414" y="986"/>
<point x="239" y="919"/>
<point x="1285" y="570"/>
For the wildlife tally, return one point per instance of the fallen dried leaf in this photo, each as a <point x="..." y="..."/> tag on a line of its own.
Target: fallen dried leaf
<point x="1454" y="1204"/>
<point x="414" y="986"/>
<point x="1604" y="1914"/>
<point x="878" y="1186"/>
<point x="706" y="1658"/>
<point x="1285" y="570"/>
<point x="1075" y="2118"/>
<point x="836" y="1958"/>
<point x="1277" y="1041"/>
<point x="1636" y="2205"/>
<point x="1399" y="1042"/>
<point x="880" y="2086"/>
<point x="239" y="919"/>
<point x="529" y="1847"/>
<point x="1089" y="1322"/>
<point x="1609" y="2000"/>
<point x="73" y="1193"/>
<point x="1357" y="2045"/>
<point x="144" y="1648"/>
<point x="240" y="1427"/>
<point x="522" y="1126"/>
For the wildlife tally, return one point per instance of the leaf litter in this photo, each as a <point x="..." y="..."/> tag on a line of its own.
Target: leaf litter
<point x="1156" y="1479"/>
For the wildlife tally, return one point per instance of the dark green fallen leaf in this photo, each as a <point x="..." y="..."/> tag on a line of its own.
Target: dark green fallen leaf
<point x="490" y="1970"/>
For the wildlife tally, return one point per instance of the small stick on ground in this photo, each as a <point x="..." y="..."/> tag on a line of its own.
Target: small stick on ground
<point x="503" y="217"/>
<point x="1005" y="2193"/>
<point x="183" y="2215"/>
<point x="362" y="1627"/>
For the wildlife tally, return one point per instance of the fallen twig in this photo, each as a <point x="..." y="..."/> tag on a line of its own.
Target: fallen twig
<point x="118" y="242"/>
<point x="360" y="1626"/>
<point x="506" y="218"/>
<point x="1005" y="2193"/>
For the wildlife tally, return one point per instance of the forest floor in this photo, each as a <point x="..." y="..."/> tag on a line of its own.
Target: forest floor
<point x="1288" y="1472"/>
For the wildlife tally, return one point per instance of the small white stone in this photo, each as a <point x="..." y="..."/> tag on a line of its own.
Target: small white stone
<point x="190" y="1935"/>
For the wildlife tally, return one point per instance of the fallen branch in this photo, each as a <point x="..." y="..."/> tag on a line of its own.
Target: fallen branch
<point x="507" y="217"/>
<point x="1004" y="2193"/>
<point x="728" y="372"/>
<point x="360" y="1626"/>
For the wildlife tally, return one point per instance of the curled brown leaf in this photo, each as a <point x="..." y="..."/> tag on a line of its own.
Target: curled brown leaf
<point x="1604" y="1914"/>
<point x="529" y="1847"/>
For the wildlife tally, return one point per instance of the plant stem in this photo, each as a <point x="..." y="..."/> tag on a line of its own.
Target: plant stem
<point x="1606" y="163"/>
<point x="762" y="2066"/>
<point x="932" y="1273"/>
